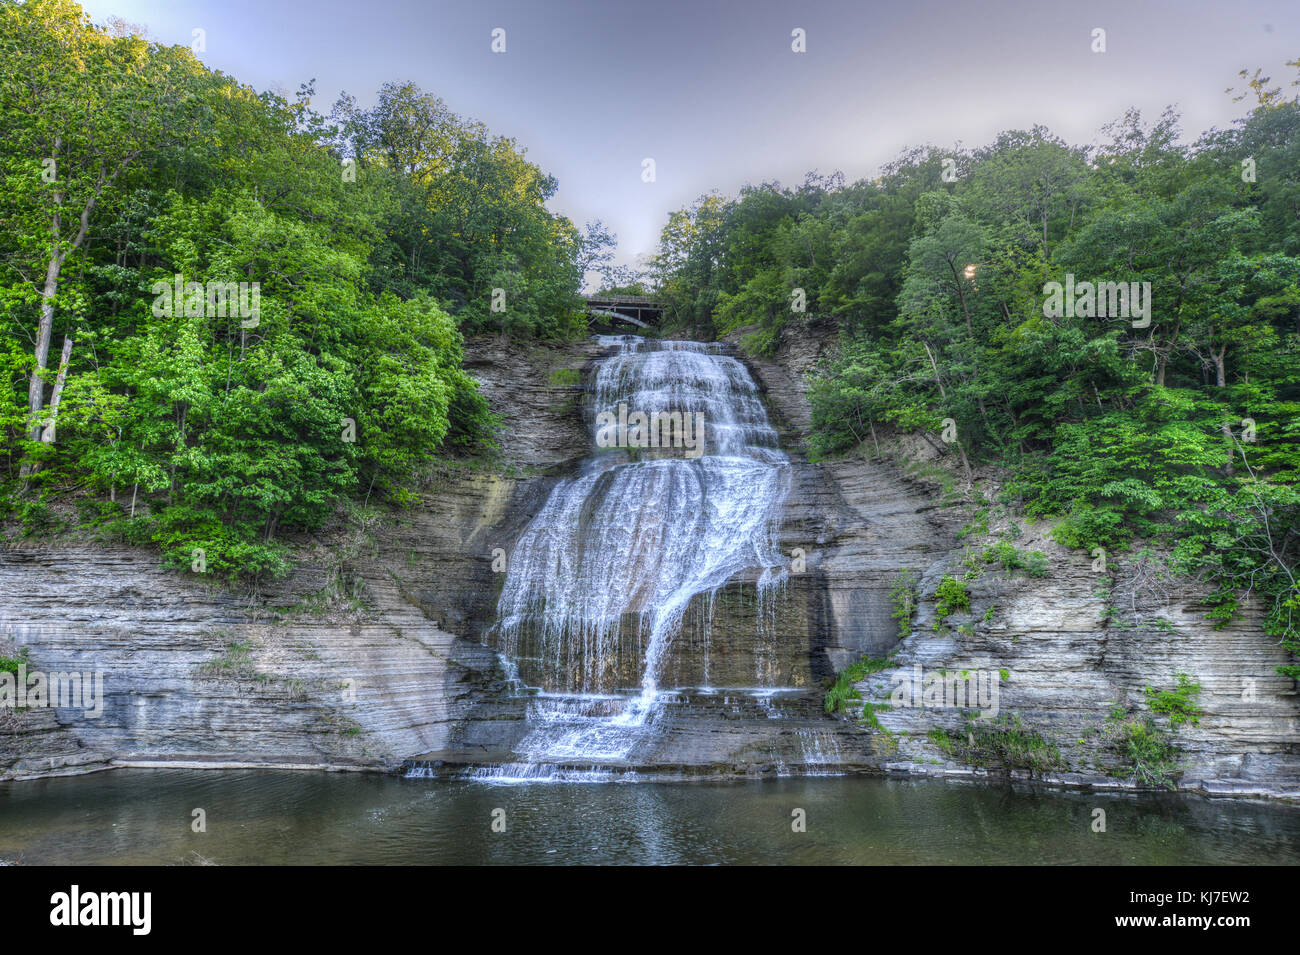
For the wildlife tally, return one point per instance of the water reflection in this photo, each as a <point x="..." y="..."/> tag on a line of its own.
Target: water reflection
<point x="144" y="817"/>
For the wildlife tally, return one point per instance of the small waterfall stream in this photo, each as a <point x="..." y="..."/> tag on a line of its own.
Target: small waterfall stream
<point x="599" y="582"/>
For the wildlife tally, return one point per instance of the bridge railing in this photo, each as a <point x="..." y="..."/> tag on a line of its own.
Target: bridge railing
<point x="625" y="302"/>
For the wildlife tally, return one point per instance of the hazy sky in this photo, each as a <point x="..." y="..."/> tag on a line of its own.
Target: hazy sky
<point x="713" y="92"/>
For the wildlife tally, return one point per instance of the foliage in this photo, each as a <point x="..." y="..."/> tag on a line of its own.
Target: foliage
<point x="375" y="239"/>
<point x="1004" y="742"/>
<point x="1181" y="432"/>
<point x="11" y="664"/>
<point x="903" y="596"/>
<point x="941" y="739"/>
<point x="1179" y="704"/>
<point x="950" y="597"/>
<point x="469" y="217"/>
<point x="565" y="378"/>
<point x="1145" y="751"/>
<point x="1011" y="558"/>
<point x="235" y="661"/>
<point x="842" y="691"/>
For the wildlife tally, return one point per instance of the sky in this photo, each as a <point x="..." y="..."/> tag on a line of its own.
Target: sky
<point x="713" y="92"/>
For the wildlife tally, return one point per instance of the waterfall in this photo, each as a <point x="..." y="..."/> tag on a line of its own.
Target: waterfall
<point x="683" y="492"/>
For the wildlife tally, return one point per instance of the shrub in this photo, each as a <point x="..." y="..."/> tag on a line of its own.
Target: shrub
<point x="903" y="597"/>
<point x="565" y="378"/>
<point x="1146" y="753"/>
<point x="1034" y="563"/>
<point x="11" y="664"/>
<point x="1004" y="742"/>
<point x="843" y="691"/>
<point x="1179" y="704"/>
<point x="952" y="597"/>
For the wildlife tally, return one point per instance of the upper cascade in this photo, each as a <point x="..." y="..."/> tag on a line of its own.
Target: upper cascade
<point x="683" y="493"/>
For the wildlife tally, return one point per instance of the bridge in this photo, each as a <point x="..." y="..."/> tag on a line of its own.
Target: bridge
<point x="625" y="310"/>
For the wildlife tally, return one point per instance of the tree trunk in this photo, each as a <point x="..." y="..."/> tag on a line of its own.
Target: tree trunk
<point x="965" y="462"/>
<point x="47" y="436"/>
<point x="44" y="332"/>
<point x="965" y="466"/>
<point x="935" y="365"/>
<point x="970" y="332"/>
<point x="961" y="296"/>
<point x="1163" y="354"/>
<point x="1221" y="379"/>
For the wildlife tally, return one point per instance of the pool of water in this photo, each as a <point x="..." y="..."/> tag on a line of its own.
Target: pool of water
<point x="146" y="817"/>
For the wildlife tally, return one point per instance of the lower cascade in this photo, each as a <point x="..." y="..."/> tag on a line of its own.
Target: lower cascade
<point x="663" y="542"/>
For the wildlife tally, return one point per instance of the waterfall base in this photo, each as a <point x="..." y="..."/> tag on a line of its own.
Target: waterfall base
<point x="685" y="732"/>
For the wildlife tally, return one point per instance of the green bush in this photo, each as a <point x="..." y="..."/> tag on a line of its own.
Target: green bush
<point x="941" y="739"/>
<point x="1004" y="742"/>
<point x="1179" y="704"/>
<point x="951" y="597"/>
<point x="11" y="664"/>
<point x="1145" y="752"/>
<point x="1034" y="563"/>
<point x="842" y="691"/>
<point x="565" y="378"/>
<point x="903" y="596"/>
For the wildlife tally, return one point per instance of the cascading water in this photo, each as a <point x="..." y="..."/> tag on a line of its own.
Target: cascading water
<point x="597" y="586"/>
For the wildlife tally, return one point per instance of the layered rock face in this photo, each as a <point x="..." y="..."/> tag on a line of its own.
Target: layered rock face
<point x="379" y="648"/>
<point x="1064" y="663"/>
<point x="1066" y="648"/>
<point x="195" y="674"/>
<point x="366" y="654"/>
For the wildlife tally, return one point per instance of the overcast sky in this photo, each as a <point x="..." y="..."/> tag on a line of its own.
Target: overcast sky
<point x="713" y="92"/>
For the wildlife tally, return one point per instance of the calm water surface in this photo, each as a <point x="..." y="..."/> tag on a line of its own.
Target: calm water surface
<point x="144" y="817"/>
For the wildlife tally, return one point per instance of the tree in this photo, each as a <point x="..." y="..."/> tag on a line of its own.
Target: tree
<point x="81" y="107"/>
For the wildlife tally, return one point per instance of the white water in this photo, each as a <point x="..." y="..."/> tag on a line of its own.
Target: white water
<point x="622" y="547"/>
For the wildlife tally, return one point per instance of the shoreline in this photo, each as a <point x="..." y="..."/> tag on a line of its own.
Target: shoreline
<point x="956" y="774"/>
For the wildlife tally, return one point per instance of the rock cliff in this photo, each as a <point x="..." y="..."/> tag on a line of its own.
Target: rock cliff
<point x="364" y="655"/>
<point x="370" y="653"/>
<point x="1069" y="649"/>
